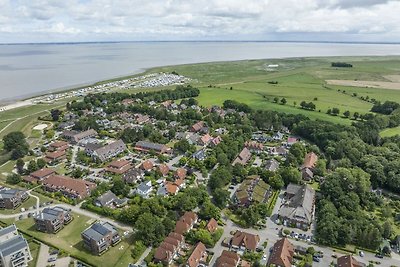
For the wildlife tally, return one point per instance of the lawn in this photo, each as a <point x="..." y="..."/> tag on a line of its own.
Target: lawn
<point x="298" y="80"/>
<point x="390" y="132"/>
<point x="69" y="240"/>
<point x="34" y="247"/>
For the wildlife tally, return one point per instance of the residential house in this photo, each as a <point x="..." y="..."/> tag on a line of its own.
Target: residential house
<point x="164" y="169"/>
<point x="99" y="237"/>
<point x="349" y="261"/>
<point x="278" y="151"/>
<point x="198" y="257"/>
<point x="106" y="152"/>
<point x="109" y="200"/>
<point x="180" y="173"/>
<point x="308" y="166"/>
<point x="254" y="147"/>
<point x="215" y="141"/>
<point x="291" y="141"/>
<point x="199" y="155"/>
<point x="147" y="165"/>
<point x="197" y="126"/>
<point x="12" y="198"/>
<point x="144" y="189"/>
<point x="272" y="165"/>
<point x="133" y="175"/>
<point x="205" y="140"/>
<point x="282" y="253"/>
<point x="75" y="136"/>
<point x="252" y="189"/>
<point x="278" y="136"/>
<point x="228" y="259"/>
<point x="145" y="146"/>
<point x="69" y="187"/>
<point x="298" y="206"/>
<point x="58" y="146"/>
<point x="186" y="222"/>
<point x="14" y="249"/>
<point x="55" y="157"/>
<point x="243" y="157"/>
<point x="141" y="119"/>
<point x="119" y="166"/>
<point x="169" y="248"/>
<point x="243" y="241"/>
<point x="52" y="220"/>
<point x="39" y="175"/>
<point x="212" y="225"/>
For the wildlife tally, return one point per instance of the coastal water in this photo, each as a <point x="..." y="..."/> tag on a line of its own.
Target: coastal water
<point x="30" y="69"/>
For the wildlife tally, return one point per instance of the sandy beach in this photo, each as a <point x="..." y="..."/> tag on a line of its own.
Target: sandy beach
<point x="16" y="105"/>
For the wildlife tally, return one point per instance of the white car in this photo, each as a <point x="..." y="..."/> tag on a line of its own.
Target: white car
<point x="264" y="257"/>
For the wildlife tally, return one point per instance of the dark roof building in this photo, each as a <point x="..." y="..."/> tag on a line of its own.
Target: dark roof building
<point x="106" y="152"/>
<point x="12" y="198"/>
<point x="99" y="237"/>
<point x="298" y="206"/>
<point x="14" y="249"/>
<point x="76" y="137"/>
<point x="148" y="146"/>
<point x="52" y="220"/>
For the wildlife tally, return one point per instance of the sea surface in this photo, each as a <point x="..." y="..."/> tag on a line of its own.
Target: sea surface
<point x="31" y="69"/>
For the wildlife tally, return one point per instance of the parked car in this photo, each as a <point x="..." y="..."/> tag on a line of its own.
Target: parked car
<point x="52" y="259"/>
<point x="379" y="256"/>
<point x="316" y="259"/>
<point x="361" y="253"/>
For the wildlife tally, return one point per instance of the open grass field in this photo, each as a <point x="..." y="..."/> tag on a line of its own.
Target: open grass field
<point x="69" y="240"/>
<point x="298" y="80"/>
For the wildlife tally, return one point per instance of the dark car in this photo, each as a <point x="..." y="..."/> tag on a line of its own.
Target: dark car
<point x="316" y="259"/>
<point x="379" y="256"/>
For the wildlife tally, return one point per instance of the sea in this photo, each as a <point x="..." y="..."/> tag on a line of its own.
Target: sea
<point x="32" y="69"/>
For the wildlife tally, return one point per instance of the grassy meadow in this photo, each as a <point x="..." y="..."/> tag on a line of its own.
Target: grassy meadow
<point x="298" y="80"/>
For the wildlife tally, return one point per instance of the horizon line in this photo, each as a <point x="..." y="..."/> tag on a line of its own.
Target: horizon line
<point x="200" y="41"/>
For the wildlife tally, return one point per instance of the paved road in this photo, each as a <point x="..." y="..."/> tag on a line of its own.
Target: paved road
<point x="43" y="255"/>
<point x="144" y="254"/>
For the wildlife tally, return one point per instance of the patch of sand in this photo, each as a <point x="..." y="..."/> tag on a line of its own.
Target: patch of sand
<point x="40" y="127"/>
<point x="393" y="78"/>
<point x="366" y="84"/>
<point x="16" y="105"/>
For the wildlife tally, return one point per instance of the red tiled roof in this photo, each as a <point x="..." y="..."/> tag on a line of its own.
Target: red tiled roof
<point x="73" y="186"/>
<point x="197" y="126"/>
<point x="164" y="169"/>
<point x="42" y="173"/>
<point x="228" y="259"/>
<point x="282" y="253"/>
<point x="180" y="173"/>
<point x="249" y="241"/>
<point x="310" y="160"/>
<point x="197" y="255"/>
<point x="348" y="261"/>
<point x="55" y="155"/>
<point x="59" y="144"/>
<point x="212" y="225"/>
<point x="147" y="165"/>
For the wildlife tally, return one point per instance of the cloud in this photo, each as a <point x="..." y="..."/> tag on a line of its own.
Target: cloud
<point x="93" y="20"/>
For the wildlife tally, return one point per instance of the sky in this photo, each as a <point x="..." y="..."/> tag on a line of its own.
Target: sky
<point x="28" y="21"/>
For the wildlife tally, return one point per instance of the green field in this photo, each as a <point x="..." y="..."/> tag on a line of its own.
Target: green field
<point x="69" y="240"/>
<point x="298" y="80"/>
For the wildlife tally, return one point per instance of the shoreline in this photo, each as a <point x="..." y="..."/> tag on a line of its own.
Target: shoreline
<point x="28" y="100"/>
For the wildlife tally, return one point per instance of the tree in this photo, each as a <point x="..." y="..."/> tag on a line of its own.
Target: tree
<point x="290" y="175"/>
<point x="283" y="101"/>
<point x="13" y="178"/>
<point x="150" y="229"/>
<point x="276" y="100"/>
<point x="32" y="166"/>
<point x="221" y="197"/>
<point x="15" y="142"/>
<point x="276" y="182"/>
<point x="41" y="163"/>
<point x="119" y="187"/>
<point x="55" y="114"/>
<point x="387" y="230"/>
<point x="335" y="111"/>
<point x="346" y="113"/>
<point x="209" y="210"/>
<point x="182" y="145"/>
<point x="298" y="151"/>
<point x="356" y="115"/>
<point x="20" y="166"/>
